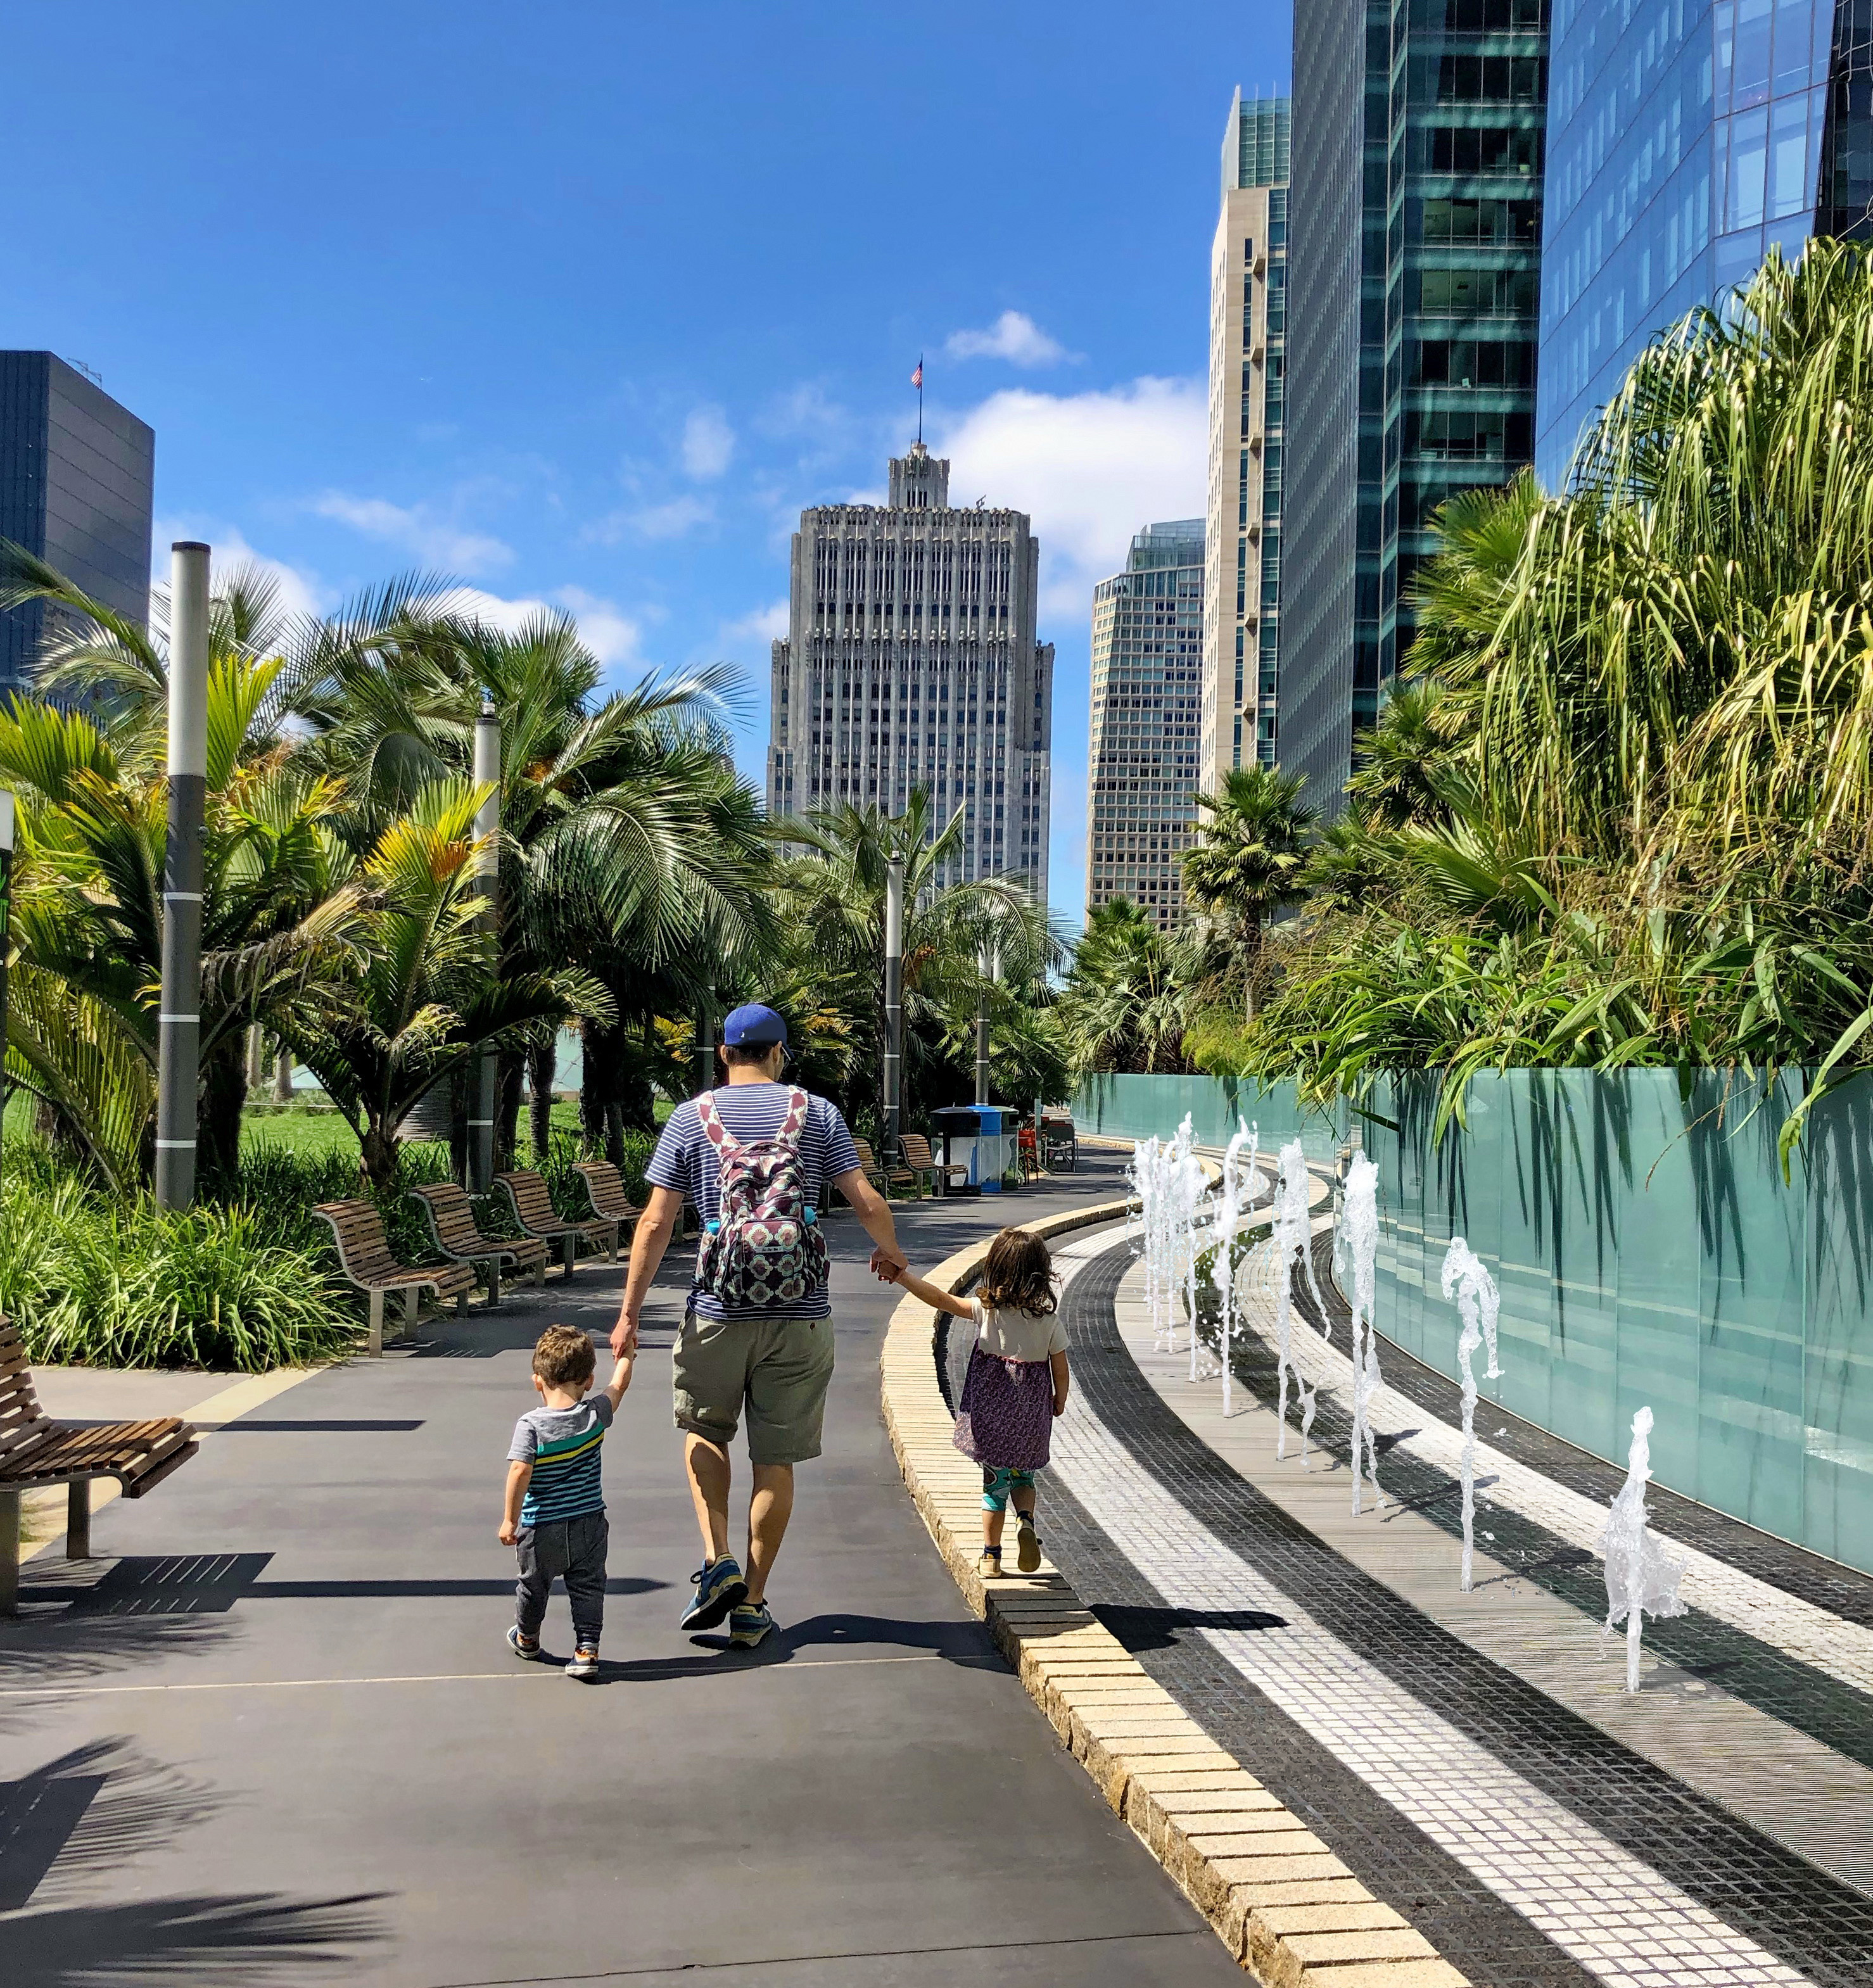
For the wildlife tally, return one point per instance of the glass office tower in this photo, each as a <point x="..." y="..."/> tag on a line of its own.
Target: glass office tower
<point x="1684" y="140"/>
<point x="1141" y="770"/>
<point x="1414" y="257"/>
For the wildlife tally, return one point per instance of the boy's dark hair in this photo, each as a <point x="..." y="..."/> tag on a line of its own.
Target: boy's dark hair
<point x="1019" y="1275"/>
<point x="748" y="1052"/>
<point x="564" y="1358"/>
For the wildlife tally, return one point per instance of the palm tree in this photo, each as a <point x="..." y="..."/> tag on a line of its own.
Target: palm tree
<point x="965" y="944"/>
<point x="1128" y="999"/>
<point x="1249" y="859"/>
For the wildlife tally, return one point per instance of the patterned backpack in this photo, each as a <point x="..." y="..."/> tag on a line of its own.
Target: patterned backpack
<point x="766" y="1249"/>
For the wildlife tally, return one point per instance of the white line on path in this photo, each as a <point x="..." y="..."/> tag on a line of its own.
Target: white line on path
<point x="531" y="1675"/>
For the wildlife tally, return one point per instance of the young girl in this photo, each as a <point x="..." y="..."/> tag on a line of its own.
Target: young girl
<point x="1015" y="1385"/>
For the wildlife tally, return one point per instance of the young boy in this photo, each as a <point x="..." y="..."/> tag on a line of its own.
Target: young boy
<point x="556" y="1501"/>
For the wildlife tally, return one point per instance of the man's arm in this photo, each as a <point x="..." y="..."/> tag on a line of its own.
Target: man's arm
<point x="655" y="1227"/>
<point x="874" y="1212"/>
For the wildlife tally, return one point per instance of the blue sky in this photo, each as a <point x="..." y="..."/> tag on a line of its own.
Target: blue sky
<point x="582" y="302"/>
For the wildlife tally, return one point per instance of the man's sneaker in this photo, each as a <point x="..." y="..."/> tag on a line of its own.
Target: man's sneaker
<point x="528" y="1653"/>
<point x="583" y="1666"/>
<point x="719" y="1587"/>
<point x="750" y="1624"/>
<point x="1027" y="1543"/>
<point x="989" y="1566"/>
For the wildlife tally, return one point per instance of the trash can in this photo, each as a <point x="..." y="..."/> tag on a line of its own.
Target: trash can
<point x="979" y="1137"/>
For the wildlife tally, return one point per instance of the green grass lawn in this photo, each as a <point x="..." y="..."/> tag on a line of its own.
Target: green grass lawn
<point x="315" y="1134"/>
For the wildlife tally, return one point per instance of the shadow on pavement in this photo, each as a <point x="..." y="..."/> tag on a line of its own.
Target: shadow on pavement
<point x="966" y="1643"/>
<point x="1158" y="1628"/>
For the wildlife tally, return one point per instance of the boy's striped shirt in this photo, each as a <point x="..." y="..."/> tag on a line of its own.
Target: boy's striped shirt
<point x="564" y="1446"/>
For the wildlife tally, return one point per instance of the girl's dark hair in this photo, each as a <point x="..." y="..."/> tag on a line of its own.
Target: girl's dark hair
<point x="1019" y="1275"/>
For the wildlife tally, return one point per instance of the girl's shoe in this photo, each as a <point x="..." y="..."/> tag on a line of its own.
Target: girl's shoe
<point x="1027" y="1543"/>
<point x="989" y="1566"/>
<point x="583" y="1666"/>
<point x="749" y="1625"/>
<point x="528" y="1653"/>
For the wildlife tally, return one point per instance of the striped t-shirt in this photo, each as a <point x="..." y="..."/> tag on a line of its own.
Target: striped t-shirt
<point x="562" y="1445"/>
<point x="685" y="1162"/>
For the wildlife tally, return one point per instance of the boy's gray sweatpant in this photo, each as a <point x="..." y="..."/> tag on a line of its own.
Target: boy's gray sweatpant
<point x="574" y="1548"/>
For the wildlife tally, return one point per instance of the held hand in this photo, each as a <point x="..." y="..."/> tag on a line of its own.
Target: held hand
<point x="624" y="1336"/>
<point x="509" y="1532"/>
<point x="888" y="1265"/>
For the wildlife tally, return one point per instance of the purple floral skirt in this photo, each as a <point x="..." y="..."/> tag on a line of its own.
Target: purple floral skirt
<point x="1005" y="1420"/>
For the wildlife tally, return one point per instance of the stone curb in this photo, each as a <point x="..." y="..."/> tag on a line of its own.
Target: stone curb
<point x="1288" y="1910"/>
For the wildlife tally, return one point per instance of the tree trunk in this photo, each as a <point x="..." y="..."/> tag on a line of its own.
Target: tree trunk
<point x="377" y="1154"/>
<point x="283" y="1076"/>
<point x="220" y="1100"/>
<point x="507" y="1108"/>
<point x="543" y="1060"/>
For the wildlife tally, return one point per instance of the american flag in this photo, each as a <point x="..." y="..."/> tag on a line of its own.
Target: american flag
<point x="917" y="378"/>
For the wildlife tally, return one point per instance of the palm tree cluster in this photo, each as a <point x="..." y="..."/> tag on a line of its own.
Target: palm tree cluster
<point x="346" y="915"/>
<point x="1622" y="815"/>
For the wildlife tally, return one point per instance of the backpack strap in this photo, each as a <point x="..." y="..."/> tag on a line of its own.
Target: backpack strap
<point x="714" y="1129"/>
<point x="795" y="1122"/>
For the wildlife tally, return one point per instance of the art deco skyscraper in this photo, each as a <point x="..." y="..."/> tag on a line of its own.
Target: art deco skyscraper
<point x="910" y="660"/>
<point x="1141" y="769"/>
<point x="1248" y="360"/>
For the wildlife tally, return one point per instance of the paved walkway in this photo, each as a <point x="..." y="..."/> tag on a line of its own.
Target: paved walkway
<point x="276" y="1735"/>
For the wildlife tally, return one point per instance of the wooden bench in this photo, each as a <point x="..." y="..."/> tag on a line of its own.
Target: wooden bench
<point x="533" y="1210"/>
<point x="364" y="1256"/>
<point x="885" y="1178"/>
<point x="451" y="1216"/>
<point x="37" y="1454"/>
<point x="604" y="1188"/>
<point x="922" y="1162"/>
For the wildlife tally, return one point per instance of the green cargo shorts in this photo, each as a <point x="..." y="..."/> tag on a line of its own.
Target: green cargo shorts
<point x="781" y="1367"/>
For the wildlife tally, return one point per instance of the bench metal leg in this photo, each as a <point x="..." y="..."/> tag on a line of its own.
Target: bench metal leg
<point x="494" y="1281"/>
<point x="569" y="1252"/>
<point x="78" y="1519"/>
<point x="376" y="1299"/>
<point x="412" y="1309"/>
<point x="9" y="1552"/>
<point x="462" y="1304"/>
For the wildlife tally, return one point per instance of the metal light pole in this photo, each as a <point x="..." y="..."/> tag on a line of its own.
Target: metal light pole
<point x="705" y="1047"/>
<point x="987" y="961"/>
<point x="178" y="1051"/>
<point x="487" y="829"/>
<point x="894" y="1006"/>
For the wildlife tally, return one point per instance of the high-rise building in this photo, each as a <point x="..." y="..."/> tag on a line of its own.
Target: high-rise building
<point x="1142" y="765"/>
<point x="910" y="661"/>
<point x="76" y="479"/>
<point x="1414" y="257"/>
<point x="1248" y="348"/>
<point x="1684" y="142"/>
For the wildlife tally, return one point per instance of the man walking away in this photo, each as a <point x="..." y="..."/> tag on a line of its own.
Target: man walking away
<point x="756" y="1157"/>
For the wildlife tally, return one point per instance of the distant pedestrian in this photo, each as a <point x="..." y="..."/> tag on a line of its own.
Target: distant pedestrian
<point x="555" y="1516"/>
<point x="758" y="1159"/>
<point x="1015" y="1385"/>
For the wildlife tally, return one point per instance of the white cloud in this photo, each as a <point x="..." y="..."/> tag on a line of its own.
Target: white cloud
<point x="612" y="635"/>
<point x="1014" y="336"/>
<point x="1090" y="468"/>
<point x="670" y="520"/>
<point x="299" y="592"/>
<point x="417" y="528"/>
<point x="708" y="442"/>
<point x="764" y="624"/>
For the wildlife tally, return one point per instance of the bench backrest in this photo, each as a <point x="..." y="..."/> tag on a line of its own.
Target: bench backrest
<point x="917" y="1149"/>
<point x="455" y="1215"/>
<point x="605" y="1186"/>
<point x="532" y="1202"/>
<point x="364" y="1248"/>
<point x="23" y="1420"/>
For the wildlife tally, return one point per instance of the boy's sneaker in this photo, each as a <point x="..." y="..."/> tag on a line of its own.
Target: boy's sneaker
<point x="583" y="1666"/>
<point x="989" y="1566"/>
<point x="719" y="1587"/>
<point x="1027" y="1543"/>
<point x="750" y="1624"/>
<point x="528" y="1653"/>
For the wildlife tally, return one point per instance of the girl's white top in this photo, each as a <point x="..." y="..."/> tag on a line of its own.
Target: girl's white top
<point x="1006" y="1334"/>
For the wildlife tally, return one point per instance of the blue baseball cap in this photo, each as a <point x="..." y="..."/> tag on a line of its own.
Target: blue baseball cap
<point x="752" y="1027"/>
